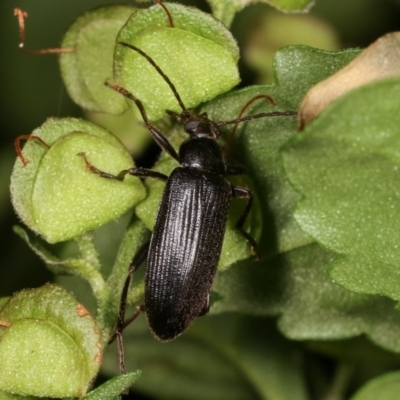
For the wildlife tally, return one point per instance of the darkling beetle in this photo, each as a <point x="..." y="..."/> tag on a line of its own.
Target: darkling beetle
<point x="185" y="246"/>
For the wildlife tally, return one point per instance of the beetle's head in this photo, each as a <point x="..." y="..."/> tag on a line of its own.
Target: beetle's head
<point x="197" y="125"/>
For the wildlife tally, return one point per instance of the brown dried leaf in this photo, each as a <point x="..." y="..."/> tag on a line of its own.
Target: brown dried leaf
<point x="380" y="60"/>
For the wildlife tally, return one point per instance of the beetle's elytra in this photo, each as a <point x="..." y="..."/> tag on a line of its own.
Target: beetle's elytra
<point x="187" y="238"/>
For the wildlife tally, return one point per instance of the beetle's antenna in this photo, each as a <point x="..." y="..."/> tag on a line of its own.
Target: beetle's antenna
<point x="160" y="71"/>
<point x="171" y="22"/>
<point x="21" y="15"/>
<point x="248" y="104"/>
<point x="242" y="111"/>
<point x="256" y="116"/>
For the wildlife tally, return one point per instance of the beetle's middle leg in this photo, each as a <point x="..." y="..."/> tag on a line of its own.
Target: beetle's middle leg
<point x="241" y="192"/>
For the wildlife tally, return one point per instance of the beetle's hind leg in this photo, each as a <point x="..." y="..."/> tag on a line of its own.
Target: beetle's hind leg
<point x="137" y="261"/>
<point x="241" y="192"/>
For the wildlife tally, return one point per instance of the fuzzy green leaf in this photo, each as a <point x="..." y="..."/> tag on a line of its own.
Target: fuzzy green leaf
<point x="346" y="167"/>
<point x="113" y="387"/>
<point x="52" y="346"/>
<point x="198" y="55"/>
<point x="93" y="37"/>
<point x="56" y="195"/>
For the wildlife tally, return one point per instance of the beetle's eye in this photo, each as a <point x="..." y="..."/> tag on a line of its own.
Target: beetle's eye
<point x="191" y="126"/>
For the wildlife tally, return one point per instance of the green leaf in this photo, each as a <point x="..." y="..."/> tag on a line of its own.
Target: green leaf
<point x="56" y="195"/>
<point x="93" y="37"/>
<point x="346" y="167"/>
<point x="113" y="387"/>
<point x="52" y="347"/>
<point x="297" y="286"/>
<point x="226" y="10"/>
<point x="199" y="55"/>
<point x="384" y="387"/>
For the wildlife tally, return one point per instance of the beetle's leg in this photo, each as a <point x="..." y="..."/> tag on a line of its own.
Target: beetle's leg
<point x="234" y="168"/>
<point x="241" y="192"/>
<point x="139" y="172"/>
<point x="139" y="258"/>
<point x="162" y="141"/>
<point x="158" y="136"/>
<point x="17" y="146"/>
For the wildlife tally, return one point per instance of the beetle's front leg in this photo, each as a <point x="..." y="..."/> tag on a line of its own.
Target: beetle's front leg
<point x="139" y="172"/>
<point x="241" y="192"/>
<point x="158" y="136"/>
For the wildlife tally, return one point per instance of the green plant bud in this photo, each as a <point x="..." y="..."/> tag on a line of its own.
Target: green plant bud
<point x="198" y="54"/>
<point x="86" y="69"/>
<point x="52" y="346"/>
<point x="56" y="195"/>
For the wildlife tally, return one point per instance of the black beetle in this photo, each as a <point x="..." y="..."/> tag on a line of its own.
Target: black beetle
<point x="185" y="245"/>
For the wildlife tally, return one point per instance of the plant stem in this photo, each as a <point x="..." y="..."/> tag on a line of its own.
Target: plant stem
<point x="108" y="309"/>
<point x="343" y="374"/>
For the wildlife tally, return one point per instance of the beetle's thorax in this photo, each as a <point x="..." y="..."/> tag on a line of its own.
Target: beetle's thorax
<point x="202" y="153"/>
